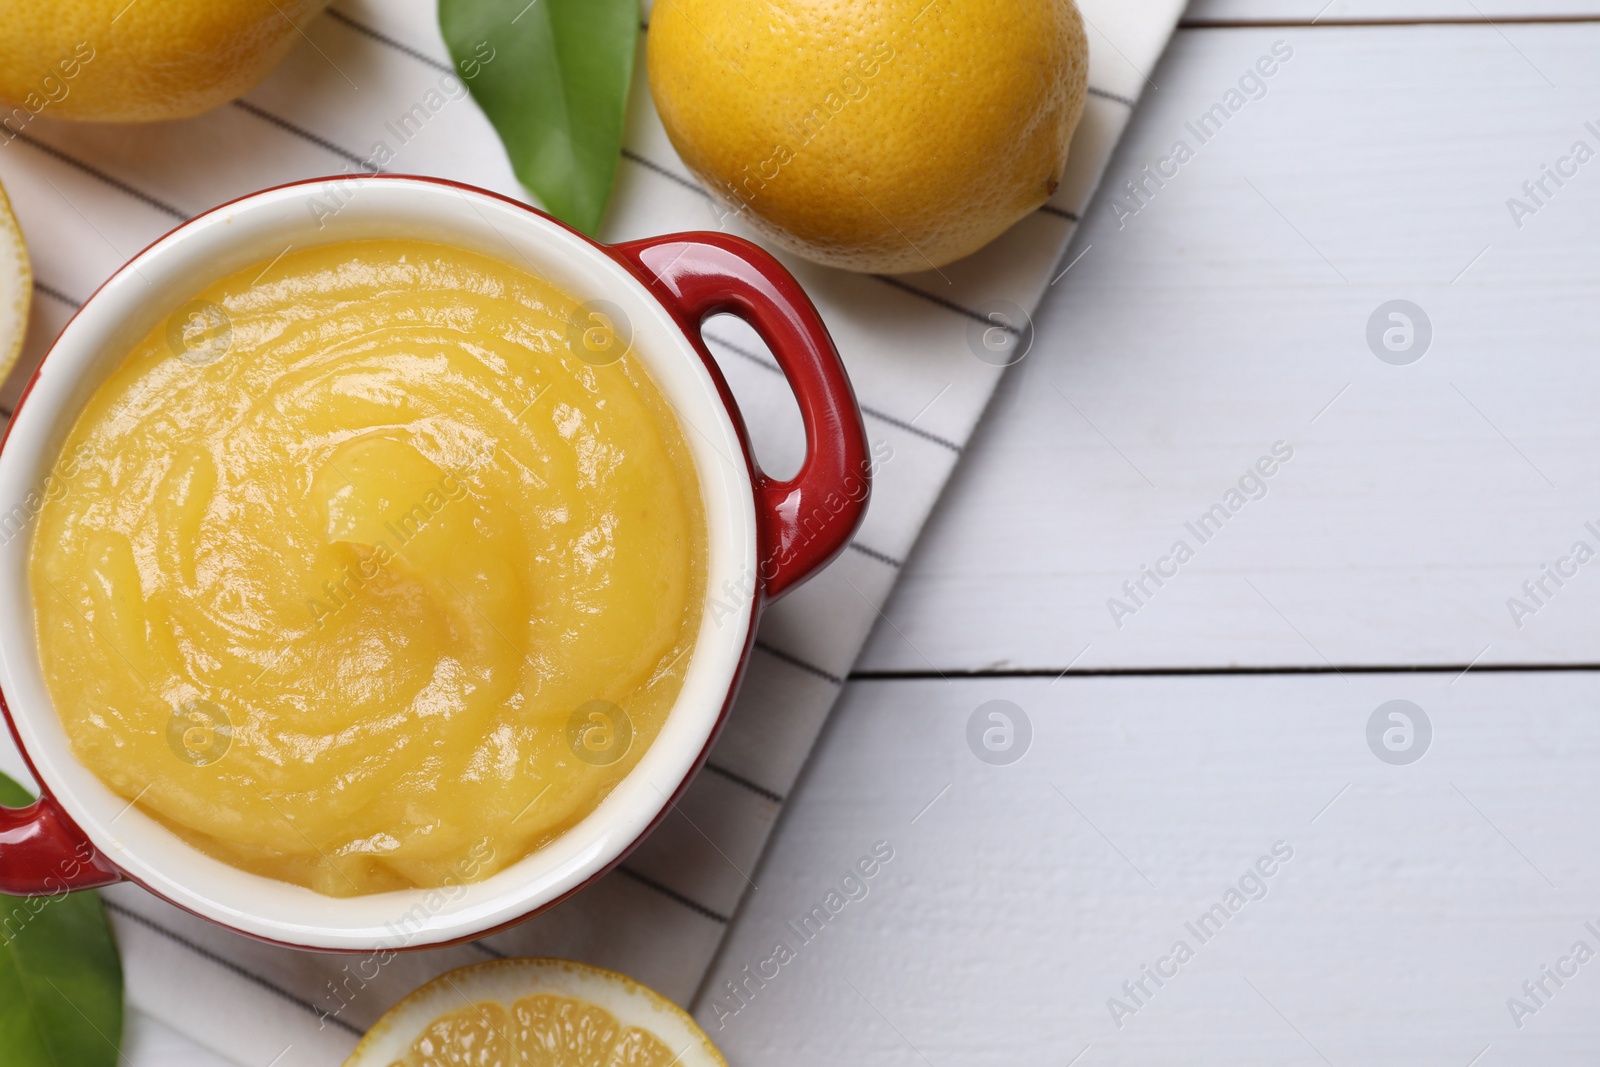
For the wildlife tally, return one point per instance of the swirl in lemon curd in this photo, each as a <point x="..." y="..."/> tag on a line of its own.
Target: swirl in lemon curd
<point x="374" y="572"/>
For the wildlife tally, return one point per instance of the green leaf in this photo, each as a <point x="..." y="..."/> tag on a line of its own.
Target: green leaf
<point x="553" y="76"/>
<point x="60" y="976"/>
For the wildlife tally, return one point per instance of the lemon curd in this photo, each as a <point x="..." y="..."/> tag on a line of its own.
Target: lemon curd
<point x="380" y="572"/>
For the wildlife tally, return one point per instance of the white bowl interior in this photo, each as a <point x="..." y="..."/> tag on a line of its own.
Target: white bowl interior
<point x="160" y="280"/>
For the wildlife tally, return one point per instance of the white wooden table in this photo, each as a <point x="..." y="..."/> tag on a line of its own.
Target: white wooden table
<point x="1228" y="712"/>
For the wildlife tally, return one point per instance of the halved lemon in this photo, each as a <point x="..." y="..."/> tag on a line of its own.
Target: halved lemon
<point x="16" y="288"/>
<point x="535" y="1013"/>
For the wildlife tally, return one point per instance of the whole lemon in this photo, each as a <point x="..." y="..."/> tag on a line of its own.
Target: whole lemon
<point x="138" y="60"/>
<point x="873" y="135"/>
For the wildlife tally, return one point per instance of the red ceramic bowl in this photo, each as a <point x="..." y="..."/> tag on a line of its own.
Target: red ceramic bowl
<point x="764" y="537"/>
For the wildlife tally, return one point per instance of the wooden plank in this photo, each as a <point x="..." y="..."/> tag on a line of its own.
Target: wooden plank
<point x="1231" y="313"/>
<point x="1417" y="900"/>
<point x="1325" y="12"/>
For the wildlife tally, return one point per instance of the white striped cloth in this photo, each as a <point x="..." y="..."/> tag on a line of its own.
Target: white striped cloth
<point x="89" y="197"/>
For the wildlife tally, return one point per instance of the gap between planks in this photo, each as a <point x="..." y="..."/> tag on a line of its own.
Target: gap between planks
<point x="968" y="674"/>
<point x="1386" y="23"/>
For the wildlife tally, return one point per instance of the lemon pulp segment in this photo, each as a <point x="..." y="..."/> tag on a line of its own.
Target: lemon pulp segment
<point x="535" y="1013"/>
<point x="543" y="1030"/>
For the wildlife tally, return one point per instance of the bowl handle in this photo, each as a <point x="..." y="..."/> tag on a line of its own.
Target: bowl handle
<point x="808" y="519"/>
<point x="43" y="854"/>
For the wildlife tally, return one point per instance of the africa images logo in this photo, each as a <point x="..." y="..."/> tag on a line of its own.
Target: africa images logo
<point x="1399" y="732"/>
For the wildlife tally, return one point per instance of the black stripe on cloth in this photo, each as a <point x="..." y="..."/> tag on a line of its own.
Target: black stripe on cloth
<point x="872" y="553"/>
<point x="901" y="424"/>
<point x="1106" y="94"/>
<point x="1060" y="212"/>
<point x="56" y="294"/>
<point x="493" y="954"/>
<point x="672" y="894"/>
<point x="694" y="187"/>
<point x="884" y="416"/>
<point x="948" y="304"/>
<point x="741" y="780"/>
<point x="229" y="965"/>
<point x="96" y="172"/>
<point x="795" y="661"/>
<point x="737" y="350"/>
<point x="305" y="135"/>
<point x="383" y="38"/>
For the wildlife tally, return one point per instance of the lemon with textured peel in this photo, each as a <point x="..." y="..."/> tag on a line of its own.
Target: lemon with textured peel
<point x="138" y="60"/>
<point x="535" y="1013"/>
<point x="16" y="287"/>
<point x="873" y="135"/>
